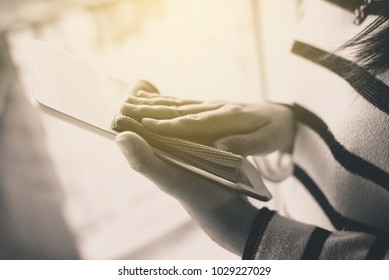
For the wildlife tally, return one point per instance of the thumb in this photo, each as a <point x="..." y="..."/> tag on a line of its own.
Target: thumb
<point x="138" y="153"/>
<point x="186" y="186"/>
<point x="142" y="159"/>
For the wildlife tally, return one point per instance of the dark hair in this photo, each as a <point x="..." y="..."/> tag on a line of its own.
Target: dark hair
<point x="371" y="45"/>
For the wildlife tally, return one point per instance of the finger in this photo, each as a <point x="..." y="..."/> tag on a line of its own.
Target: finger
<point x="145" y="94"/>
<point x="160" y="100"/>
<point x="141" y="85"/>
<point x="165" y="112"/>
<point x="260" y="141"/>
<point x="182" y="184"/>
<point x="225" y="120"/>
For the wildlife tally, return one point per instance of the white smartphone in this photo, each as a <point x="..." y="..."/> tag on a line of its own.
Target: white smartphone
<point x="72" y="90"/>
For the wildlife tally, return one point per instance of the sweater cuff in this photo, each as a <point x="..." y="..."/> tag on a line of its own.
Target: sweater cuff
<point x="277" y="237"/>
<point x="257" y="229"/>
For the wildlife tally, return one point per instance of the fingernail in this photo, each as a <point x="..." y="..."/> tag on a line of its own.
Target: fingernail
<point x="140" y="92"/>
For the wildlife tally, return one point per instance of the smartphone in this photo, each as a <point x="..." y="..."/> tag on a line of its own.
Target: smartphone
<point x="74" y="91"/>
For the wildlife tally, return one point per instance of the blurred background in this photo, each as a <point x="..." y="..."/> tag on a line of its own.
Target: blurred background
<point x="67" y="193"/>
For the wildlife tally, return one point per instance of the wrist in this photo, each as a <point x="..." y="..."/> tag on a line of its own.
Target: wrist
<point x="257" y="229"/>
<point x="291" y="127"/>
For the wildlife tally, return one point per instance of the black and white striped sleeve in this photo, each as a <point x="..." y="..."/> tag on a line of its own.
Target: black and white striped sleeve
<point x="273" y="236"/>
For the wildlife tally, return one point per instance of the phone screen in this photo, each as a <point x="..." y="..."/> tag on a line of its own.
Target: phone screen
<point x="72" y="89"/>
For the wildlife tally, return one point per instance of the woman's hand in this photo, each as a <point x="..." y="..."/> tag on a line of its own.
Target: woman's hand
<point x="222" y="213"/>
<point x="245" y="129"/>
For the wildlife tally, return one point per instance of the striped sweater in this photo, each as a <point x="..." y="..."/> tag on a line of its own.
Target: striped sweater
<point x="336" y="204"/>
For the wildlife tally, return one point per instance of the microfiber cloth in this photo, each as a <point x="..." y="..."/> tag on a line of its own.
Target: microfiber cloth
<point x="218" y="162"/>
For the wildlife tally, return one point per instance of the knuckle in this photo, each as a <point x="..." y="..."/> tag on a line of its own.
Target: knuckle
<point x="179" y="111"/>
<point x="194" y="118"/>
<point x="235" y="109"/>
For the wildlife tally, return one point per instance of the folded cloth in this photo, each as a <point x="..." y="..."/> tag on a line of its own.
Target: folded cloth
<point x="218" y="162"/>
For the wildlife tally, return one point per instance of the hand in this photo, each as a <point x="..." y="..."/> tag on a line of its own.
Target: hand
<point x="221" y="212"/>
<point x="244" y="129"/>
